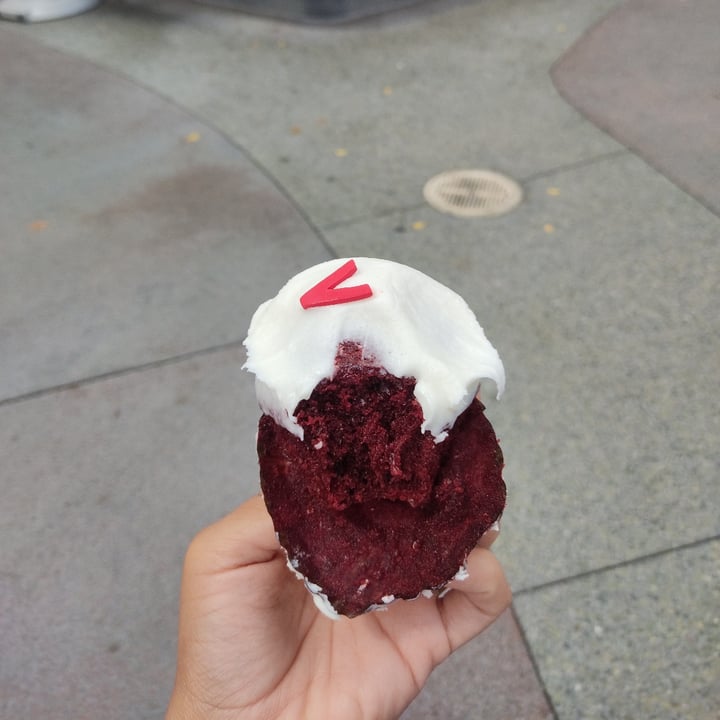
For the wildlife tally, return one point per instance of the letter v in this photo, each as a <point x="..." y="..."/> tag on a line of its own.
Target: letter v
<point x="326" y="291"/>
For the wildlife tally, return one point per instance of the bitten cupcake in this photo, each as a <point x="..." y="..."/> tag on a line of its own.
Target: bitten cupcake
<point x="377" y="464"/>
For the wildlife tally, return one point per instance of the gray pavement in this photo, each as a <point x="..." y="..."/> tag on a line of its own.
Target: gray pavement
<point x="169" y="165"/>
<point x="647" y="74"/>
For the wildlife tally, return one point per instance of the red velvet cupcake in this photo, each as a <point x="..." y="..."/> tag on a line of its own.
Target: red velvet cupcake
<point x="377" y="464"/>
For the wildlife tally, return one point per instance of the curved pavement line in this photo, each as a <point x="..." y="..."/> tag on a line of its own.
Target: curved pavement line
<point x="647" y="75"/>
<point x="132" y="232"/>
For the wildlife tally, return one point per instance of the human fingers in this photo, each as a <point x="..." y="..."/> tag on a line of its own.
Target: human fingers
<point x="245" y="536"/>
<point x="241" y="612"/>
<point x="490" y="535"/>
<point x="474" y="603"/>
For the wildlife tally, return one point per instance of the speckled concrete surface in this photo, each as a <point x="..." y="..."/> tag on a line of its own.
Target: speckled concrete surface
<point x="103" y="487"/>
<point x="129" y="227"/>
<point x="601" y="292"/>
<point x="606" y="313"/>
<point x="461" y="76"/>
<point x="637" y="641"/>
<point x="491" y="677"/>
<point x="648" y="75"/>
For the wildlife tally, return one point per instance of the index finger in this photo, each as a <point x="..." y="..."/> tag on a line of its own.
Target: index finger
<point x="243" y="537"/>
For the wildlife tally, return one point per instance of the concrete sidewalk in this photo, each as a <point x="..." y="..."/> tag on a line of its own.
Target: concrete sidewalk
<point x="167" y="166"/>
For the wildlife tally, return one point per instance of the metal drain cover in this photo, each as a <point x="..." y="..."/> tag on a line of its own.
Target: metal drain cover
<point x="472" y="193"/>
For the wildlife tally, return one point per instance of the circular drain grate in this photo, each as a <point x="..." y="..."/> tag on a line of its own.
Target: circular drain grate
<point x="472" y="193"/>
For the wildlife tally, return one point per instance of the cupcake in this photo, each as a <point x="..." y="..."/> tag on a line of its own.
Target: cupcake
<point x="377" y="464"/>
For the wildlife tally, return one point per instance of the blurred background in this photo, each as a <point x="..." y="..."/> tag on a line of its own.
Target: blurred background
<point x="168" y="165"/>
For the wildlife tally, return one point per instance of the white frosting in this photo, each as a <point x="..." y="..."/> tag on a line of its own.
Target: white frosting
<point x="462" y="573"/>
<point x="412" y="325"/>
<point x="321" y="601"/>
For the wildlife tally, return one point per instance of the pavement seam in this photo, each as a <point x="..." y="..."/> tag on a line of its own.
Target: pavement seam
<point x="373" y="216"/>
<point x="607" y="128"/>
<point x="119" y="372"/>
<point x="578" y="164"/>
<point x="561" y="581"/>
<point x="533" y="662"/>
<point x="616" y="566"/>
<point x="254" y="161"/>
<point x="550" y="172"/>
<point x="249" y="157"/>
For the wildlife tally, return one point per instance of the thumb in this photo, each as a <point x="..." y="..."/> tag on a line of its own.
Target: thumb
<point x="475" y="603"/>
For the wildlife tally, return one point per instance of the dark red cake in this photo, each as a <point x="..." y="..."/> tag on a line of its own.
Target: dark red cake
<point x="368" y="507"/>
<point x="377" y="464"/>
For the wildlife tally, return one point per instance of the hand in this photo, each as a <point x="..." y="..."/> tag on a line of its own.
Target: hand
<point x="252" y="644"/>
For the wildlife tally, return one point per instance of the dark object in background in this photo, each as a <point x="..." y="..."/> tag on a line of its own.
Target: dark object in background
<point x="313" y="11"/>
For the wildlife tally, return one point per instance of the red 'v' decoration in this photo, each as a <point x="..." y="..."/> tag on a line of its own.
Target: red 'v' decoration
<point x="326" y="291"/>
